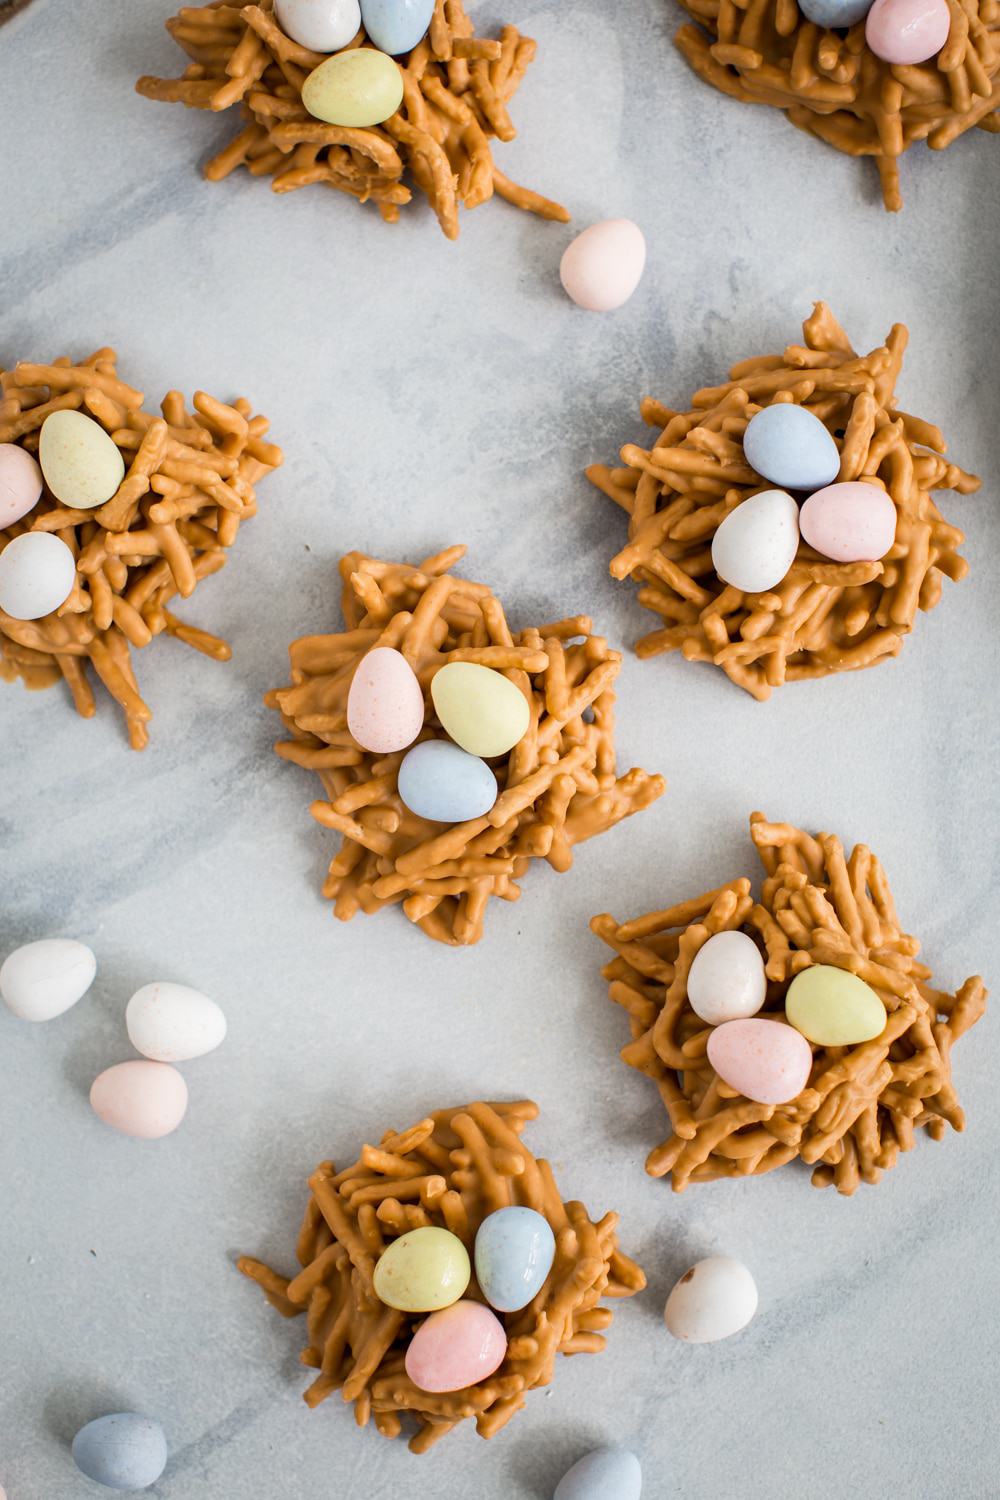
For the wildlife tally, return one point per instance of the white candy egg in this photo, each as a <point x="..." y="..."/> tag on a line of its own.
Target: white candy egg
<point x="43" y="979"/>
<point x="37" y="571"/>
<point x="320" y="25"/>
<point x="172" y="1022"/>
<point x="754" y="547"/>
<point x="726" y="981"/>
<point x="605" y="1474"/>
<point x="713" y="1300"/>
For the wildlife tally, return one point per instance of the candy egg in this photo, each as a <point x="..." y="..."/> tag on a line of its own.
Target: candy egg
<point x="37" y="572"/>
<point x="360" y="87"/>
<point x="605" y="1474"/>
<point x="755" y="546"/>
<point x="907" y="31"/>
<point x="320" y="25"/>
<point x="833" y="1007"/>
<point x="396" y="25"/>
<point x="124" y="1451"/>
<point x="82" y="466"/>
<point x="20" y="483"/>
<point x="601" y="268"/>
<point x="42" y="980"/>
<point x="515" y="1248"/>
<point x="482" y="710"/>
<point x="456" y="1348"/>
<point x="444" y="784"/>
<point x="833" y="13"/>
<point x="713" y="1300"/>
<point x="790" y="446"/>
<point x="766" y="1061"/>
<point x="422" y="1271"/>
<point x="143" y="1099"/>
<point x="851" y="522"/>
<point x="726" y="981"/>
<point x="171" y="1022"/>
<point x="385" y="706"/>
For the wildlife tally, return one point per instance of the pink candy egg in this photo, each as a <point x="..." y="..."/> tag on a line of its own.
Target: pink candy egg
<point x="601" y="268"/>
<point x="907" y="31"/>
<point x="851" y="522"/>
<point x="20" y="483"/>
<point x="144" y="1099"/>
<point x="766" y="1061"/>
<point x="385" y="706"/>
<point x="456" y="1347"/>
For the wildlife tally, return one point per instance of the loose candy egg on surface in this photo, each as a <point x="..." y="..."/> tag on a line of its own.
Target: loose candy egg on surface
<point x="755" y="546"/>
<point x="482" y="710"/>
<point x="320" y="25"/>
<point x="172" y="1022"/>
<point x="20" y="483"/>
<point x="790" y="446"/>
<point x="142" y="1099"/>
<point x="41" y="980"/>
<point x="444" y="784"/>
<point x="605" y="1474"/>
<point x="82" y="466"/>
<point x="726" y="981"/>
<point x="123" y="1451"/>
<point x="833" y="13"/>
<point x="396" y="25"/>
<point x="907" y="31"/>
<point x="766" y="1061"/>
<point x="37" y="572"/>
<point x="455" y="1348"/>
<point x="360" y="87"/>
<point x="850" y="522"/>
<point x="833" y="1007"/>
<point x="422" y="1271"/>
<point x="515" y="1248"/>
<point x="713" y="1300"/>
<point x="602" y="267"/>
<point x="385" y="706"/>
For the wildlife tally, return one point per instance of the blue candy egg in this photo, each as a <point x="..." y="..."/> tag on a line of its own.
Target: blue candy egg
<point x="835" y="12"/>
<point x="396" y="26"/>
<point x="788" y="445"/>
<point x="515" y="1248"/>
<point x="601" y="1475"/>
<point x="124" y="1451"/>
<point x="439" y="781"/>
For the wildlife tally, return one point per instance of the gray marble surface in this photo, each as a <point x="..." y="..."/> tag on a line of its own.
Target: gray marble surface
<point x="426" y="393"/>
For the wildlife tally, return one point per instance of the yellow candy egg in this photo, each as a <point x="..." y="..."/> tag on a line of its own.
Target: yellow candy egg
<point x="423" y="1271"/>
<point x="482" y="710"/>
<point x="80" y="464"/>
<point x="834" y="1008"/>
<point x="360" y="87"/>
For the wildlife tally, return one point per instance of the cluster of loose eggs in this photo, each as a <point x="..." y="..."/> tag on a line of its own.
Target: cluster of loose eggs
<point x="361" y="86"/>
<point x="897" y="31"/>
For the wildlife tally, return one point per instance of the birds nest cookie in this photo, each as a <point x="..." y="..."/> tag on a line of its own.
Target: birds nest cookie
<point x="784" y="527"/>
<point x="452" y="752"/>
<point x="441" y="1274"/>
<point x="798" y="1026"/>
<point x="323" y="100"/>
<point x="107" y="512"/>
<point x="869" y="79"/>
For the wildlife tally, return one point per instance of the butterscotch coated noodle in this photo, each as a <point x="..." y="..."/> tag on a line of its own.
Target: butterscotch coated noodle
<point x="863" y="1104"/>
<point x="456" y="88"/>
<point x="831" y="84"/>
<point x="189" y="483"/>
<point x="824" y="616"/>
<point x="450" y="1170"/>
<point x="556" y="787"/>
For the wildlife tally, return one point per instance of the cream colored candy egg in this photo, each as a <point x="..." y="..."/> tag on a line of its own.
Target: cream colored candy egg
<point x="320" y="25"/>
<point x="713" y="1300"/>
<point x="41" y="980"/>
<point x="755" y="546"/>
<point x="423" y="1270"/>
<point x="37" y="573"/>
<point x="726" y="981"/>
<point x="82" y="466"/>
<point x="833" y="1007"/>
<point x="360" y="87"/>
<point x="482" y="710"/>
<point x="172" y="1022"/>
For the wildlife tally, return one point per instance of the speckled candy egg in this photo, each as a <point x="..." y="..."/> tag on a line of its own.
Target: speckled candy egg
<point x="790" y="446"/>
<point x="444" y="784"/>
<point x="37" y="573"/>
<point x="714" y="1300"/>
<point x="726" y="981"/>
<point x="41" y="980"/>
<point x="143" y="1099"/>
<point x="833" y="1007"/>
<point x="123" y="1451"/>
<point x="835" y="13"/>
<point x="515" y="1248"/>
<point x="601" y="268"/>
<point x="482" y="710"/>
<point x="396" y="25"/>
<point x="20" y="483"/>
<point x="82" y="466"/>
<point x="360" y="87"/>
<point x="172" y="1022"/>
<point x="766" y="1061"/>
<point x="907" y="31"/>
<point x="385" y="706"/>
<point x="456" y="1348"/>
<point x="320" y="25"/>
<point x="605" y="1474"/>
<point x="422" y="1271"/>
<point x="850" y="522"/>
<point x="755" y="546"/>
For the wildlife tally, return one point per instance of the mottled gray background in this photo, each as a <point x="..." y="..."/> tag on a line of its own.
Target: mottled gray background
<point x="427" y="393"/>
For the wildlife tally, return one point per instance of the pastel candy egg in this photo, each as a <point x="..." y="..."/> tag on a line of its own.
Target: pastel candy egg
<point x="726" y="981"/>
<point x="766" y="1061"/>
<point x="422" y="1271"/>
<point x="42" y="980"/>
<point x="833" y="1007"/>
<point x="605" y="1474"/>
<point x="20" y="483"/>
<point x="790" y="446"/>
<point x="456" y="1348"/>
<point x="385" y="706"/>
<point x="320" y="25"/>
<point x="601" y="268"/>
<point x="515" y="1248"/>
<point x="482" y="710"/>
<point x="396" y="25"/>
<point x="831" y="13"/>
<point x="755" y="546"/>
<point x="444" y="784"/>
<point x="907" y="31"/>
<point x="37" y="572"/>
<point x="82" y="466"/>
<point x="850" y="522"/>
<point x="143" y="1099"/>
<point x="172" y="1022"/>
<point x="360" y="87"/>
<point x="714" y="1300"/>
<point x="124" y="1451"/>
